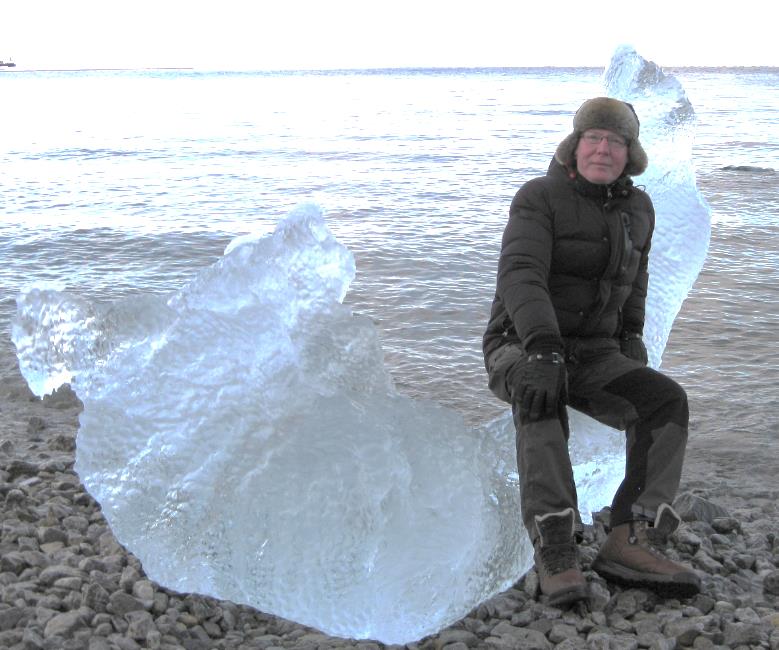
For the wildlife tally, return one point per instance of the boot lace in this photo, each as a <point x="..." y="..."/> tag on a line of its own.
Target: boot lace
<point x="558" y="557"/>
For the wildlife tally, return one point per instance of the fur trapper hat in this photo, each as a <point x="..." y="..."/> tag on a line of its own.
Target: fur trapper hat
<point x="611" y="114"/>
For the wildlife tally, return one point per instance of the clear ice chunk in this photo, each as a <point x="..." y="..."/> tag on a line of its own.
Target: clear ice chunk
<point x="245" y="440"/>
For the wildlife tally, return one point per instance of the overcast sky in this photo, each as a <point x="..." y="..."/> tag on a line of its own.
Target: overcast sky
<point x="311" y="34"/>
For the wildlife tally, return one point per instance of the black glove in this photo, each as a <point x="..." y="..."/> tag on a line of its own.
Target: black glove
<point x="632" y="346"/>
<point x="541" y="386"/>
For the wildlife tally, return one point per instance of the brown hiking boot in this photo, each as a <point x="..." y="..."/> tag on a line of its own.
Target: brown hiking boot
<point x="630" y="557"/>
<point x="556" y="559"/>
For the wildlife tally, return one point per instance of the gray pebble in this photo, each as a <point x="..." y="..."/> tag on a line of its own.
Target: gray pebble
<point x="771" y="583"/>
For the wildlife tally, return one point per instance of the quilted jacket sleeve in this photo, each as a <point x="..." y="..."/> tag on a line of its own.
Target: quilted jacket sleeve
<point x="634" y="309"/>
<point x="523" y="268"/>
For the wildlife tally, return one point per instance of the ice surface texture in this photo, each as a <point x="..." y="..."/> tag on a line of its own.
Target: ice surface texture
<point x="245" y="440"/>
<point x="683" y="219"/>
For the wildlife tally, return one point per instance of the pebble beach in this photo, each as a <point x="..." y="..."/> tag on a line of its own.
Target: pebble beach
<point x="66" y="583"/>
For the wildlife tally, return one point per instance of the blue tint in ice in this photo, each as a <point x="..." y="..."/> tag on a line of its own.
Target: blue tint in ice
<point x="245" y="440"/>
<point x="683" y="219"/>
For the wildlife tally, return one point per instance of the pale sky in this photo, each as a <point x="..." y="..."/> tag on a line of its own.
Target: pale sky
<point x="321" y="34"/>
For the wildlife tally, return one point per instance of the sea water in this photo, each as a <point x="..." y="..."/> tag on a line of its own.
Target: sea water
<point x="122" y="183"/>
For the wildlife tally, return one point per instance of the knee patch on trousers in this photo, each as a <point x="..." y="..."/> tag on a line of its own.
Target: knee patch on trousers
<point x="658" y="399"/>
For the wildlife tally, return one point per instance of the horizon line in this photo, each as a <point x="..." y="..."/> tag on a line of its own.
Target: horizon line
<point x="376" y="68"/>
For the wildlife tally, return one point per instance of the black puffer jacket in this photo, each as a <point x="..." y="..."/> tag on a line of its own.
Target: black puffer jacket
<point x="573" y="262"/>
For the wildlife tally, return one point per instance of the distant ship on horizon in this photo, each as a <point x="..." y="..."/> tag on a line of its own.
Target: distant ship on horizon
<point x="9" y="64"/>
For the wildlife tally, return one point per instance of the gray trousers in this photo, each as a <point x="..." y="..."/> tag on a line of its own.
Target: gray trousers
<point x="619" y="392"/>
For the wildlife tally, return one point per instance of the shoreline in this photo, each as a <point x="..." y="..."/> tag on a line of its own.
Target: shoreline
<point x="67" y="583"/>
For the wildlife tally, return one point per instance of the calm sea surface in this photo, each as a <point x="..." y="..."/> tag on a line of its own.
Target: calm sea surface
<point x="129" y="182"/>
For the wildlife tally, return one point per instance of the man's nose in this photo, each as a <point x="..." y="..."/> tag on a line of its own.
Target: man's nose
<point x="603" y="146"/>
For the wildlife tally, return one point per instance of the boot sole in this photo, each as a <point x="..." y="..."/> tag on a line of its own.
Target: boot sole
<point x="679" y="586"/>
<point x="568" y="596"/>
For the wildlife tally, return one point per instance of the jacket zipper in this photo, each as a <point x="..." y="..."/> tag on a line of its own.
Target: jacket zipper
<point x="627" y="243"/>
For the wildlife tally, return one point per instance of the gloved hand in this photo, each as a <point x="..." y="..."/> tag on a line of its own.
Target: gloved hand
<point x="632" y="346"/>
<point x="541" y="386"/>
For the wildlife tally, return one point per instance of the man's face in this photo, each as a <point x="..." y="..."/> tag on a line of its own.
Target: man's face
<point x="601" y="156"/>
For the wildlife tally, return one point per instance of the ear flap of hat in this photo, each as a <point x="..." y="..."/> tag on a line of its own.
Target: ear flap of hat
<point x="566" y="149"/>
<point x="637" y="159"/>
